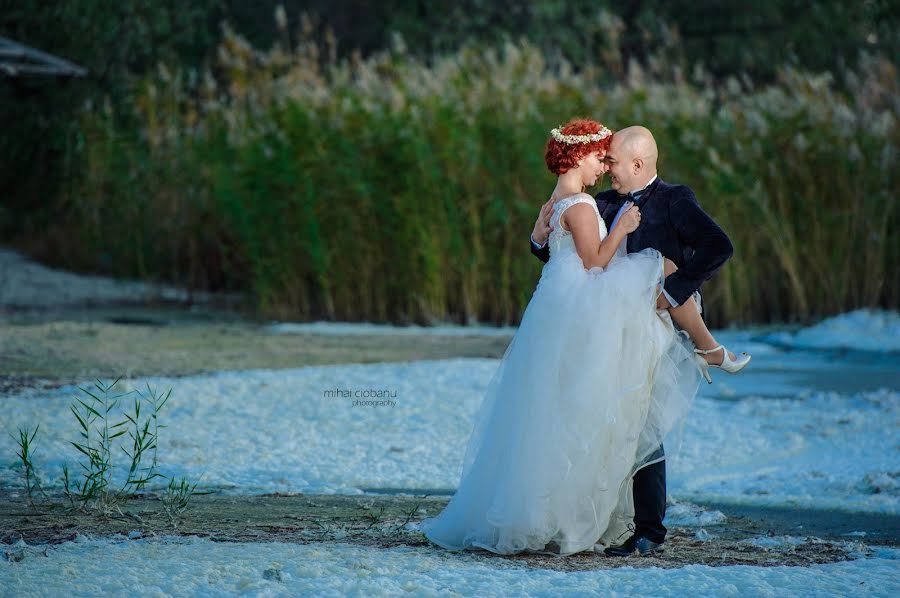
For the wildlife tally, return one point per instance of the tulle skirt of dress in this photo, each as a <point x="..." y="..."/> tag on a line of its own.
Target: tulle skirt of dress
<point x="592" y="383"/>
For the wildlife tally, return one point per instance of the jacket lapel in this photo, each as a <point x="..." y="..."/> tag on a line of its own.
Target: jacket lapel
<point x="646" y="202"/>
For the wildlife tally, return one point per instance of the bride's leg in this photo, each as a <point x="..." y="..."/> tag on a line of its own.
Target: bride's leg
<point x="687" y="316"/>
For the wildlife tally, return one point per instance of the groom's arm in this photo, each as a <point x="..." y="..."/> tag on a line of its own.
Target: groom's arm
<point x="542" y="252"/>
<point x="543" y="229"/>
<point x="712" y="247"/>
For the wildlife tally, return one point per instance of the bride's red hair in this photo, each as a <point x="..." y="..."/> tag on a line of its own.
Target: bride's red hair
<point x="562" y="157"/>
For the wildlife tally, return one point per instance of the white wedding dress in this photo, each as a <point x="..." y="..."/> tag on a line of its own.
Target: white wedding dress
<point x="591" y="384"/>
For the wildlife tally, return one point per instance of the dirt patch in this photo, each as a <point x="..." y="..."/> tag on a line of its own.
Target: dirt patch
<point x="76" y="345"/>
<point x="383" y="522"/>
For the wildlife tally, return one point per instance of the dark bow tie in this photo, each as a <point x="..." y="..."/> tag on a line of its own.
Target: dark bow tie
<point x="634" y="197"/>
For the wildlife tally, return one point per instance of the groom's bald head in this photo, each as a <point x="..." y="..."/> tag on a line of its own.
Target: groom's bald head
<point x="632" y="158"/>
<point x="639" y="143"/>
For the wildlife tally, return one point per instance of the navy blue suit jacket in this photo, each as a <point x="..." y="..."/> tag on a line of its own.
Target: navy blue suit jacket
<point x="673" y="223"/>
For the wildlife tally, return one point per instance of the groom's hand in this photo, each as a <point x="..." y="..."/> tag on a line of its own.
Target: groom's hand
<point x="542" y="227"/>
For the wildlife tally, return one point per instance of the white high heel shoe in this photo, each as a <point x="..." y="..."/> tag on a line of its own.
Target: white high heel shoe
<point x="732" y="366"/>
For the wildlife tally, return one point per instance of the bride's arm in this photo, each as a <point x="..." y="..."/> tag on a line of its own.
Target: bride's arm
<point x="581" y="220"/>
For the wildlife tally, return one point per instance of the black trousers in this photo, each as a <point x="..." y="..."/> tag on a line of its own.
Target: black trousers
<point x="649" y="492"/>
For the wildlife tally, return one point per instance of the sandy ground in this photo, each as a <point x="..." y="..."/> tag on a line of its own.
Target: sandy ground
<point x="40" y="348"/>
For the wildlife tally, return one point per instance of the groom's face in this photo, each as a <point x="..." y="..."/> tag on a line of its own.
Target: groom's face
<point x="622" y="177"/>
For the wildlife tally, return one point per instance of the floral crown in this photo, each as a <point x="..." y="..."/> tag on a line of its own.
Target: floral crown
<point x="572" y="139"/>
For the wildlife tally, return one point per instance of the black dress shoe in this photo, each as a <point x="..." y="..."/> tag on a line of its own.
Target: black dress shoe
<point x="645" y="546"/>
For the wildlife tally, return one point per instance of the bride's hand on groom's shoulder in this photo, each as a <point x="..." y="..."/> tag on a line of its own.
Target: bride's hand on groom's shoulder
<point x="542" y="228"/>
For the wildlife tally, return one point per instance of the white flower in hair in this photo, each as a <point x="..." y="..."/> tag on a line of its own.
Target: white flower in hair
<point x="572" y="139"/>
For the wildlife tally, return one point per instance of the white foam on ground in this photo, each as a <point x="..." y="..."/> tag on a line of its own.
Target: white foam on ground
<point x="864" y="329"/>
<point x="279" y="430"/>
<point x="291" y="430"/>
<point x="775" y="541"/>
<point x="822" y="450"/>
<point x="199" y="567"/>
<point x="690" y="515"/>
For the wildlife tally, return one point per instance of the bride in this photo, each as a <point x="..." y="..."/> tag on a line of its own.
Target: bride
<point x="592" y="382"/>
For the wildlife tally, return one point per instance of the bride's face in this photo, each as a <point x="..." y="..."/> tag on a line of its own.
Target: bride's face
<point x="592" y="168"/>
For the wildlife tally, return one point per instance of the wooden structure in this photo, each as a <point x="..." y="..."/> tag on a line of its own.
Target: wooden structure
<point x="18" y="60"/>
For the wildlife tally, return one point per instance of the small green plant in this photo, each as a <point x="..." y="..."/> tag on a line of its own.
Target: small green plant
<point x="95" y="414"/>
<point x="409" y="517"/>
<point x="91" y="487"/>
<point x="97" y="436"/>
<point x="144" y="438"/>
<point x="26" y="444"/>
<point x="176" y="498"/>
<point x="375" y="518"/>
<point x="100" y="426"/>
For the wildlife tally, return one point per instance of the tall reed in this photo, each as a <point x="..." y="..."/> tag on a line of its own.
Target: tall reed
<point x="389" y="189"/>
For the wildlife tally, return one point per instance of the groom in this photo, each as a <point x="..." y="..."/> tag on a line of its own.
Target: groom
<point x="673" y="223"/>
